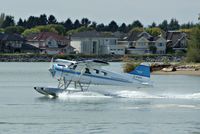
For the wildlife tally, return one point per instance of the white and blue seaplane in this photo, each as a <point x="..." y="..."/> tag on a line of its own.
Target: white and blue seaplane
<point x="83" y="73"/>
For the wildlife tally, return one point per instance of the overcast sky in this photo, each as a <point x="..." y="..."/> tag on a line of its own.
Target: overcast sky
<point x="103" y="11"/>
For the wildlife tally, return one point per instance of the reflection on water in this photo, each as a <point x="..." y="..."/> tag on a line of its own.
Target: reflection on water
<point x="172" y="105"/>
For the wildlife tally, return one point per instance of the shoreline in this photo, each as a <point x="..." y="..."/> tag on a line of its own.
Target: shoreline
<point x="182" y="72"/>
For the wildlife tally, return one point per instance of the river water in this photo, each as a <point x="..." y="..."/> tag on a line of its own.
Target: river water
<point x="172" y="105"/>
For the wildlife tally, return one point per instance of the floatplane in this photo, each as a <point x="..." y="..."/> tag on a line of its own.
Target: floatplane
<point x="81" y="74"/>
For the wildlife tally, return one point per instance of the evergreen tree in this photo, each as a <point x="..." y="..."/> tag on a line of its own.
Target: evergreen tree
<point x="93" y="25"/>
<point x="152" y="25"/>
<point x="2" y="18"/>
<point x="43" y="20"/>
<point x="123" y="28"/>
<point x="32" y="22"/>
<point x="85" y="22"/>
<point x="174" y="25"/>
<point x="136" y="23"/>
<point x="164" y="25"/>
<point x="20" y="22"/>
<point x="76" y="24"/>
<point x="100" y="27"/>
<point x="68" y="24"/>
<point x="52" y="19"/>
<point x="187" y="25"/>
<point x="113" y="27"/>
<point x="9" y="21"/>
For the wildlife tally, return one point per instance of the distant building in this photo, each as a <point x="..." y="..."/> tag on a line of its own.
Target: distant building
<point x="176" y="40"/>
<point x="142" y="42"/>
<point x="50" y="43"/>
<point x="10" y="43"/>
<point x="98" y="43"/>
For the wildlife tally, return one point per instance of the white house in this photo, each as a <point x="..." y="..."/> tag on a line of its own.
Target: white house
<point x="141" y="42"/>
<point x="93" y="42"/>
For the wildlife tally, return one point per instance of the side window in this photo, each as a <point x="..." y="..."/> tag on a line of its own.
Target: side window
<point x="96" y="71"/>
<point x="104" y="73"/>
<point x="87" y="71"/>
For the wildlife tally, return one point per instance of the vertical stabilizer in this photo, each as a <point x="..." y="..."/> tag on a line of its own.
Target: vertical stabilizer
<point x="142" y="72"/>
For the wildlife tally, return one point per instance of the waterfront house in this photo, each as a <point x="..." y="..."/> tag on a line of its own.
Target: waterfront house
<point x="97" y="43"/>
<point x="10" y="43"/>
<point x="176" y="40"/>
<point x="143" y="43"/>
<point x="50" y="43"/>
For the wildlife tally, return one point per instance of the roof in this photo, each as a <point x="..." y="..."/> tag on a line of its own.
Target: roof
<point x="92" y="34"/>
<point x="11" y="37"/>
<point x="136" y="35"/>
<point x="29" y="47"/>
<point x="45" y="35"/>
<point x="174" y="37"/>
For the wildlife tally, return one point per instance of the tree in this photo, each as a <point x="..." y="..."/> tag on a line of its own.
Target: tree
<point x="85" y="22"/>
<point x="32" y="22"/>
<point x="14" y="29"/>
<point x="77" y="24"/>
<point x="112" y="26"/>
<point x="193" y="54"/>
<point x="136" y="23"/>
<point x="80" y="29"/>
<point x="137" y="29"/>
<point x="52" y="19"/>
<point x="9" y="21"/>
<point x="164" y="25"/>
<point x="68" y="24"/>
<point x="153" y="49"/>
<point x="123" y="28"/>
<point x="43" y="20"/>
<point x="60" y="29"/>
<point x="100" y="27"/>
<point x="155" y="31"/>
<point x="152" y="25"/>
<point x="187" y="25"/>
<point x="173" y="25"/>
<point x="2" y="19"/>
<point x="28" y="32"/>
<point x="20" y="23"/>
<point x="93" y="25"/>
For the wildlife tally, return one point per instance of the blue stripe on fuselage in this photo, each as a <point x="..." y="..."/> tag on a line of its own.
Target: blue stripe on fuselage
<point x="101" y="77"/>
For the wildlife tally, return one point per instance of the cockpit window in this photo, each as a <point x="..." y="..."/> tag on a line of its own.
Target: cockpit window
<point x="74" y="67"/>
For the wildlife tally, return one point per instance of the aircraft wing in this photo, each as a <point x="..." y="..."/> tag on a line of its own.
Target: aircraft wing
<point x="65" y="61"/>
<point x="92" y="63"/>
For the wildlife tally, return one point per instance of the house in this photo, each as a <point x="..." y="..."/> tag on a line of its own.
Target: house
<point x="98" y="43"/>
<point x="50" y="43"/>
<point x="144" y="43"/>
<point x="11" y="43"/>
<point x="176" y="40"/>
<point x="27" y="48"/>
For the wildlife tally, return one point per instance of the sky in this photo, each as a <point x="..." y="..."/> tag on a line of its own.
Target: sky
<point x="104" y="11"/>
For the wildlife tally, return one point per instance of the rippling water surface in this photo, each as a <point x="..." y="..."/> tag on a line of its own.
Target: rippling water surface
<point x="171" y="106"/>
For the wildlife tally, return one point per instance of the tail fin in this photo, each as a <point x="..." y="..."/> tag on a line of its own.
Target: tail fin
<point x="142" y="70"/>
